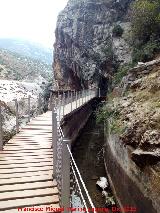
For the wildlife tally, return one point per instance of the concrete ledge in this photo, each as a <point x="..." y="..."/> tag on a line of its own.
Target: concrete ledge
<point x="75" y="121"/>
<point x="132" y="186"/>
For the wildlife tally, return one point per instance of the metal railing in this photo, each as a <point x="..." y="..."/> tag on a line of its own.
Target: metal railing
<point x="64" y="165"/>
<point x="21" y="110"/>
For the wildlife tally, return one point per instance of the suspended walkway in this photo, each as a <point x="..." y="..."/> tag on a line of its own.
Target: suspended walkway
<point x="27" y="177"/>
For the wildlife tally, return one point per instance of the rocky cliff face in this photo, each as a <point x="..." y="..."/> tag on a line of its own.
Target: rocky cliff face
<point x="136" y="112"/>
<point x="86" y="52"/>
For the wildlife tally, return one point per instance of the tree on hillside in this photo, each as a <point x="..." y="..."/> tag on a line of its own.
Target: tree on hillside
<point x="145" y="25"/>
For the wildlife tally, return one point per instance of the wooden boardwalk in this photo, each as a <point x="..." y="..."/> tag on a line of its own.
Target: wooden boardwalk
<point x="26" y="167"/>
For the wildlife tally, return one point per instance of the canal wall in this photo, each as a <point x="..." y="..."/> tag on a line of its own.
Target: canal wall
<point x="74" y="122"/>
<point x="132" y="186"/>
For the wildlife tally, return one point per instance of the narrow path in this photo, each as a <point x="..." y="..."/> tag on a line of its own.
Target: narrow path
<point x="26" y="167"/>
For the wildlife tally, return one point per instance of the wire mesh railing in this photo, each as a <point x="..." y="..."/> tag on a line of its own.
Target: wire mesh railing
<point x="69" y="180"/>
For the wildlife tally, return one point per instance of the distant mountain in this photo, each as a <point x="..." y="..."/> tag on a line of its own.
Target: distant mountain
<point x="28" y="49"/>
<point x="14" y="66"/>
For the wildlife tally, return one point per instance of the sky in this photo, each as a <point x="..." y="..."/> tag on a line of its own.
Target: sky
<point x="33" y="20"/>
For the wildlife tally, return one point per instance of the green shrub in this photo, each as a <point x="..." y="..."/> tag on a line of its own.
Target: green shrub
<point x="117" y="31"/>
<point x="108" y="50"/>
<point x="102" y="114"/>
<point x="146" y="52"/>
<point x="121" y="72"/>
<point x="105" y="113"/>
<point x="145" y="29"/>
<point x="145" y="20"/>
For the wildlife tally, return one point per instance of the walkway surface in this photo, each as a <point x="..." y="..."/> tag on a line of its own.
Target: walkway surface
<point x="26" y="167"/>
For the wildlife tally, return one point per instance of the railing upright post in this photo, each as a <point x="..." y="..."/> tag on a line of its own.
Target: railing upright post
<point x="82" y="97"/>
<point x="50" y="101"/>
<point x="86" y="95"/>
<point x="63" y="104"/>
<point x="29" y="107"/>
<point x="65" y="193"/>
<point x="54" y="138"/>
<point x="17" y="116"/>
<point x="1" y="130"/>
<point x="79" y="98"/>
<point x="76" y="99"/>
<point x="60" y="105"/>
<point x="74" y="95"/>
<point x="39" y="103"/>
<point x="58" y="99"/>
<point x="68" y="97"/>
<point x="71" y="101"/>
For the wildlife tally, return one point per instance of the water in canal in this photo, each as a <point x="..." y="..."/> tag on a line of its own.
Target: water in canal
<point x="88" y="155"/>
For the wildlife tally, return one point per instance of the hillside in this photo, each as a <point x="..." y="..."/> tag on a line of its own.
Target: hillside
<point x="27" y="49"/>
<point x="21" y="76"/>
<point x="14" y="66"/>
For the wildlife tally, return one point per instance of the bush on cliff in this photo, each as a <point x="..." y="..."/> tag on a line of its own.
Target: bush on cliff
<point x="145" y="27"/>
<point x="117" y="31"/>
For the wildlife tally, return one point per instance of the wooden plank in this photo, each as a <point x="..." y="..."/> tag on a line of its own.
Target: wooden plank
<point x="25" y="186"/>
<point x="30" y="169"/>
<point x="9" y="161"/>
<point x="10" y="204"/>
<point x="28" y="193"/>
<point x="26" y="165"/>
<point x="26" y="174"/>
<point x="24" y="157"/>
<point x="26" y="179"/>
<point x="39" y="140"/>
<point x="27" y="152"/>
<point x="27" y="148"/>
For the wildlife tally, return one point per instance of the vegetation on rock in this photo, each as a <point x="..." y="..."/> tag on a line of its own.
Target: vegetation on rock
<point x="117" y="31"/>
<point x="145" y="29"/>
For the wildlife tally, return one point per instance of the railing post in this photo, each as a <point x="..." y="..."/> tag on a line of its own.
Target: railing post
<point x="65" y="193"/>
<point x="60" y="104"/>
<point x="68" y="97"/>
<point x="50" y="101"/>
<point x="39" y="103"/>
<point x="76" y="99"/>
<point x="54" y="138"/>
<point x="17" y="116"/>
<point x="29" y="107"/>
<point x="82" y="97"/>
<point x="74" y="95"/>
<point x="79" y="98"/>
<point x="71" y="101"/>
<point x="63" y="98"/>
<point x="1" y="130"/>
<point x="99" y="92"/>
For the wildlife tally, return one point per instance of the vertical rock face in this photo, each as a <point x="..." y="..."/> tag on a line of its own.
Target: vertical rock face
<point x="85" y="51"/>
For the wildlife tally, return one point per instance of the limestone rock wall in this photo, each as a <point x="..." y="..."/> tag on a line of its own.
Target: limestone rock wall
<point x="85" y="52"/>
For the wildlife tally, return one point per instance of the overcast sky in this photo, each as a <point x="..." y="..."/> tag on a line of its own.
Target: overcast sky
<point x="33" y="20"/>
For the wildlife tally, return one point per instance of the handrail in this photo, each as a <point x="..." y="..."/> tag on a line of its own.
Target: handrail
<point x="74" y="173"/>
<point x="17" y="113"/>
<point x="63" y="158"/>
<point x="80" y="177"/>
